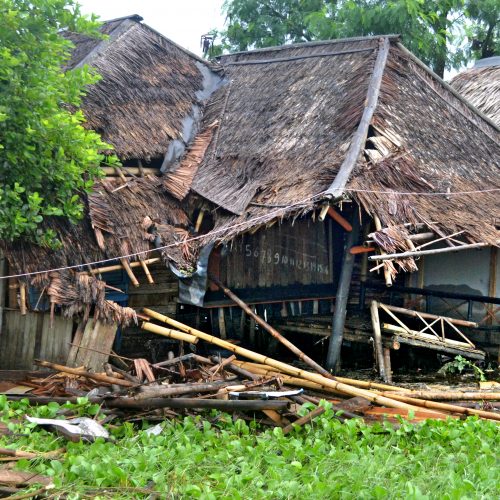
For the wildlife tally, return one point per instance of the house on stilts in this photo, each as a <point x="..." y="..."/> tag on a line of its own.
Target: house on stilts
<point x="317" y="181"/>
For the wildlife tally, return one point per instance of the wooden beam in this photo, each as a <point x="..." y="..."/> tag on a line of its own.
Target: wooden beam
<point x="377" y="333"/>
<point x="358" y="141"/>
<point x="144" y="266"/>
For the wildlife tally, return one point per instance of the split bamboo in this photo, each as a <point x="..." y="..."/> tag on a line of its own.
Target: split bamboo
<point x="119" y="267"/>
<point x="22" y="298"/>
<point x="277" y="335"/>
<point x="288" y="369"/>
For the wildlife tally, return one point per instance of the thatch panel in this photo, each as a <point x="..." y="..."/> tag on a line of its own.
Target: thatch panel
<point x="284" y="126"/>
<point x="481" y="87"/>
<point x="438" y="146"/>
<point x="148" y="87"/>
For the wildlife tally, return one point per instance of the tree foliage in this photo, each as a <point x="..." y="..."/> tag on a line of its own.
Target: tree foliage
<point x="443" y="33"/>
<point x="47" y="158"/>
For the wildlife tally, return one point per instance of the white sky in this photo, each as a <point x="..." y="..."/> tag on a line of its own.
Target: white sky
<point x="183" y="21"/>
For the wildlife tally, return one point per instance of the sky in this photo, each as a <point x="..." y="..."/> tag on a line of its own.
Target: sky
<point x="183" y="21"/>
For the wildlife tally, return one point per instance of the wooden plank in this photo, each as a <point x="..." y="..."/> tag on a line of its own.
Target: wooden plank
<point x="99" y="336"/>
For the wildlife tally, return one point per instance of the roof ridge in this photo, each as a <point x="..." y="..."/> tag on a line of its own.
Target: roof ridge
<point x="337" y="187"/>
<point x="315" y="43"/>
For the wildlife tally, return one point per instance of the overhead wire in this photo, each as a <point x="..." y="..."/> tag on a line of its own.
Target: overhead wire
<point x="278" y="210"/>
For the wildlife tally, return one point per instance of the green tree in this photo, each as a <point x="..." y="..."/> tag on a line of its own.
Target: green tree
<point x="47" y="158"/>
<point x="440" y="32"/>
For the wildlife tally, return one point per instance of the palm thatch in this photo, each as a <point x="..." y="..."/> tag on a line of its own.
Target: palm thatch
<point x="481" y="86"/>
<point x="149" y="87"/>
<point x="287" y="119"/>
<point x="121" y="219"/>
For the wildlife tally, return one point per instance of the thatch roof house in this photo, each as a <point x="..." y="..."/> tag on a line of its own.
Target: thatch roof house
<point x="480" y="85"/>
<point x="276" y="135"/>
<point x="357" y="118"/>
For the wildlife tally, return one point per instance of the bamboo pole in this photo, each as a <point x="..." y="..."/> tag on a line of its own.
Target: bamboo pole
<point x="417" y="314"/>
<point x="451" y="395"/>
<point x="363" y="384"/>
<point x="277" y="335"/>
<point x="433" y="251"/>
<point x="171" y="334"/>
<point x="388" y="365"/>
<point x="130" y="273"/>
<point x="22" y="298"/>
<point x="119" y="267"/>
<point x="446" y="407"/>
<point x="144" y="266"/>
<point x="377" y="333"/>
<point x="288" y="369"/>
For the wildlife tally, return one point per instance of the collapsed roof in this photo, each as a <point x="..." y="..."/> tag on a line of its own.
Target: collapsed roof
<point x="279" y="131"/>
<point x="289" y="120"/>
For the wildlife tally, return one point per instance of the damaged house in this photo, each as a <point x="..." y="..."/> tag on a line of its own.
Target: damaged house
<point x="317" y="181"/>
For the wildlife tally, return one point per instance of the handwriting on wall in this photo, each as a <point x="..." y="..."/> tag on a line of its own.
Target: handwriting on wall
<point x="287" y="258"/>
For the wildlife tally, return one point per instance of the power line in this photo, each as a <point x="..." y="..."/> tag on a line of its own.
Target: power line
<point x="281" y="208"/>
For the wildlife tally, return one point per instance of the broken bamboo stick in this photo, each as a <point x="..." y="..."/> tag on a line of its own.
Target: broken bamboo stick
<point x="145" y="268"/>
<point x="22" y="298"/>
<point x="306" y="419"/>
<point x="288" y="369"/>
<point x="387" y="274"/>
<point x="130" y="273"/>
<point x="82" y="373"/>
<point x="277" y="335"/>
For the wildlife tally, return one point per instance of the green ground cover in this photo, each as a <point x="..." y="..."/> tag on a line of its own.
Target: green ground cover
<point x="219" y="458"/>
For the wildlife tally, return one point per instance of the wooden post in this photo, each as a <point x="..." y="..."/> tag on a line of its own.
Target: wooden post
<point x="3" y="288"/>
<point x="387" y="363"/>
<point x="222" y="323"/>
<point x="492" y="285"/>
<point x="377" y="334"/>
<point x="342" y="297"/>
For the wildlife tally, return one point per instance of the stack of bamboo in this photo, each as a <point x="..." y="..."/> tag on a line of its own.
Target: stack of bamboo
<point x="387" y="396"/>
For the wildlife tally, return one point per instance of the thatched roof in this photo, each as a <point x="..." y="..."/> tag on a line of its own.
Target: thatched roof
<point x="150" y="91"/>
<point x="121" y="219"/>
<point x="481" y="86"/>
<point x="289" y="117"/>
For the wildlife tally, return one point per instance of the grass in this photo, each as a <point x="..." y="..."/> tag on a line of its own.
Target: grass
<point x="193" y="458"/>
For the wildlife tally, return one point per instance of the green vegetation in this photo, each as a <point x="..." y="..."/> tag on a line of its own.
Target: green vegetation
<point x="219" y="458"/>
<point x="47" y="158"/>
<point x="443" y="33"/>
<point x="460" y="365"/>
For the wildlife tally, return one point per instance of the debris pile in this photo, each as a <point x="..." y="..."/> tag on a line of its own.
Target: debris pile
<point x="254" y="387"/>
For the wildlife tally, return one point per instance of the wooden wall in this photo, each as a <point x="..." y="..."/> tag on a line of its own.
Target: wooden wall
<point x="32" y="336"/>
<point x="282" y="255"/>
